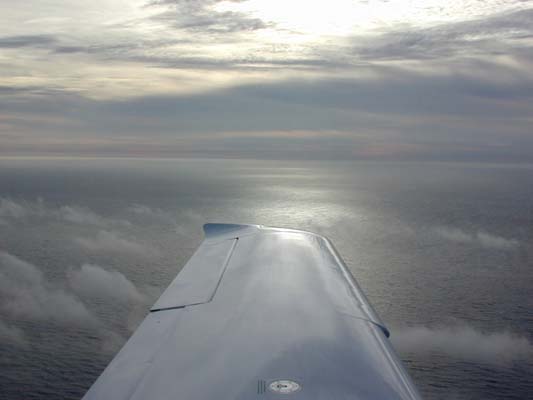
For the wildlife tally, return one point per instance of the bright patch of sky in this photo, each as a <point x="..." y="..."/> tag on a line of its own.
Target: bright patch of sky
<point x="405" y="69"/>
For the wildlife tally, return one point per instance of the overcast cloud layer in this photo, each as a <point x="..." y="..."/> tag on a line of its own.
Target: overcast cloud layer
<point x="268" y="79"/>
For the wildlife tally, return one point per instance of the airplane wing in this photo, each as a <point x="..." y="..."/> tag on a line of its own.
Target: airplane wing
<point x="260" y="313"/>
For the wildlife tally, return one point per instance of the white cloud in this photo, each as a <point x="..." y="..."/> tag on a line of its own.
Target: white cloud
<point x="189" y="219"/>
<point x="463" y="342"/>
<point x="454" y="234"/>
<point x="107" y="241"/>
<point x="480" y="238"/>
<point x="112" y="342"/>
<point x="96" y="282"/>
<point x="468" y="63"/>
<point x="12" y="335"/>
<point x="92" y="282"/>
<point x="150" y="212"/>
<point x="83" y="215"/>
<point x="25" y="293"/>
<point x="10" y="208"/>
<point x="493" y="241"/>
<point x="80" y="215"/>
<point x="141" y="209"/>
<point x="182" y="219"/>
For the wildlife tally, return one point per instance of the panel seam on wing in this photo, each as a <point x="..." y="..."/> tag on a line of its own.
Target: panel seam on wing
<point x="225" y="266"/>
<point x="381" y="327"/>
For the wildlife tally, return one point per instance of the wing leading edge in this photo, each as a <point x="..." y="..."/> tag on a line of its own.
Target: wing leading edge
<point x="260" y="313"/>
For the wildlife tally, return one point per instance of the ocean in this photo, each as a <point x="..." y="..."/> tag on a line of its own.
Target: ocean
<point x="444" y="252"/>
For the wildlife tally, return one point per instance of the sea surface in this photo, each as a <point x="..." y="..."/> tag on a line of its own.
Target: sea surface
<point x="444" y="251"/>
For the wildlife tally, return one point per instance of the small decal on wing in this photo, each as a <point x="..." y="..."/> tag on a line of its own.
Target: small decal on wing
<point x="261" y="387"/>
<point x="284" y="386"/>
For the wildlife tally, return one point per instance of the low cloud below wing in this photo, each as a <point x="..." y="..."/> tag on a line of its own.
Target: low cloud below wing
<point x="93" y="281"/>
<point x="26" y="293"/>
<point x="463" y="342"/>
<point x="479" y="238"/>
<point x="109" y="241"/>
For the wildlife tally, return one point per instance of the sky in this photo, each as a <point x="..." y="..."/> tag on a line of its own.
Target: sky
<point x="337" y="79"/>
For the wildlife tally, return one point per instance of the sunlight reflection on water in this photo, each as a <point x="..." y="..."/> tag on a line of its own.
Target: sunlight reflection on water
<point x="430" y="244"/>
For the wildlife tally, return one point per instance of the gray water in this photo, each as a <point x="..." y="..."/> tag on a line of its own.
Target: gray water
<point x="443" y="251"/>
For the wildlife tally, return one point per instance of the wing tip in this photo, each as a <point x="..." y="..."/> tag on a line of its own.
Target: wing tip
<point x="229" y="230"/>
<point x="216" y="230"/>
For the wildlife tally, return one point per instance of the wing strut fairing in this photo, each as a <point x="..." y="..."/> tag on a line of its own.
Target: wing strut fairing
<point x="260" y="313"/>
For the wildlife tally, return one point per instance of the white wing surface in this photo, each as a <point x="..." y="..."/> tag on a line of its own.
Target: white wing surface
<point x="258" y="313"/>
